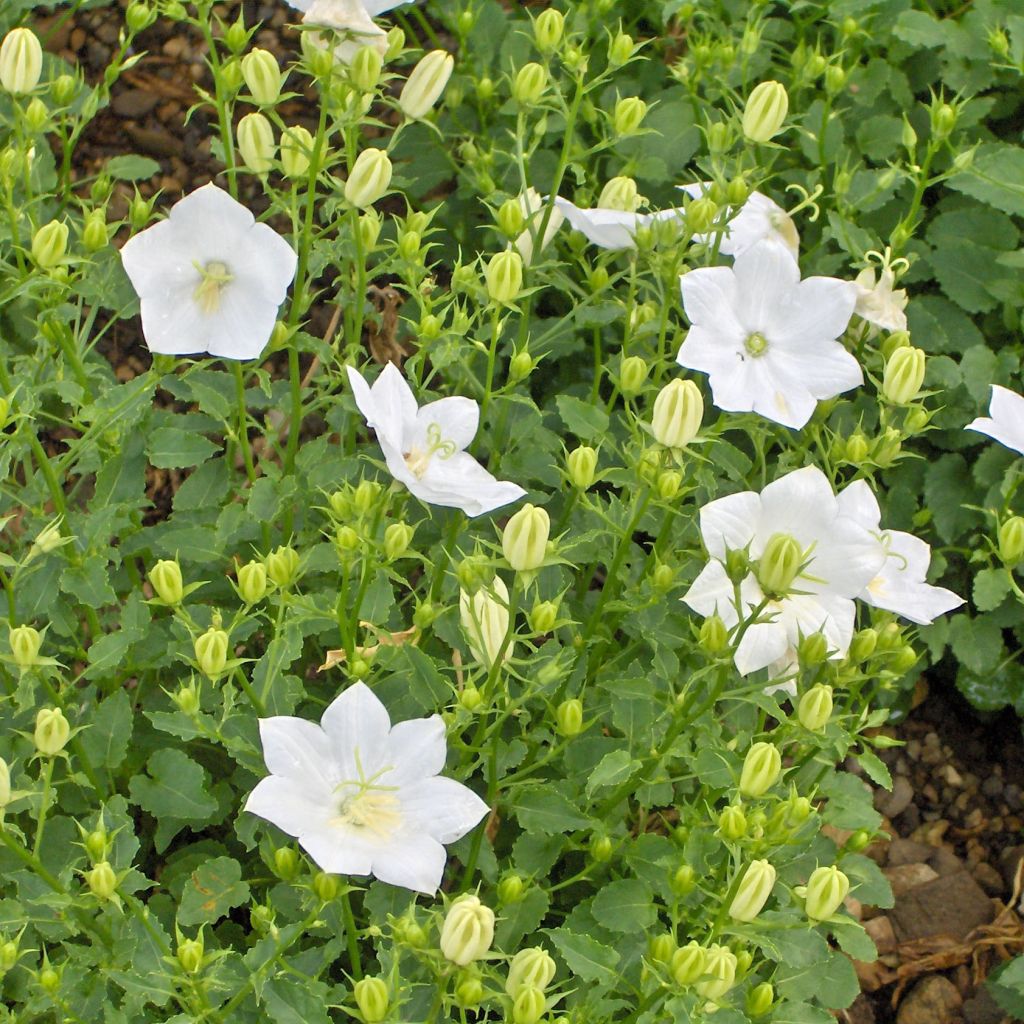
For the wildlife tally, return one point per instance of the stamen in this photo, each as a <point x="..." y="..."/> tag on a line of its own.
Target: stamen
<point x="418" y="460"/>
<point x="214" y="278"/>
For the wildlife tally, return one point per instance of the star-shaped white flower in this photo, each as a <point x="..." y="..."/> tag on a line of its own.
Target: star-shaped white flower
<point x="424" y="448"/>
<point x="611" y="229"/>
<point x="1005" y="420"/>
<point x="364" y="797"/>
<point x="758" y="219"/>
<point x="900" y="585"/>
<point x="766" y="339"/>
<point x="878" y="302"/>
<point x="841" y="558"/>
<point x="210" y="279"/>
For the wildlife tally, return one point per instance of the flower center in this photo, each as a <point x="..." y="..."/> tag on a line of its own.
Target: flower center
<point x="418" y="459"/>
<point x="367" y="807"/>
<point x="214" y="278"/>
<point x="756" y="344"/>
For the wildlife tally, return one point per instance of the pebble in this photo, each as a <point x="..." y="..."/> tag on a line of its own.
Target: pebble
<point x="933" y="1000"/>
<point x="988" y="878"/>
<point x="894" y="803"/>
<point x="992" y="786"/>
<point x="1014" y="796"/>
<point x="905" y="877"/>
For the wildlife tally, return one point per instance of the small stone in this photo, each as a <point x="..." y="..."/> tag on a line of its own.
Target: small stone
<point x="880" y="930"/>
<point x="913" y="749"/>
<point x="894" y="803"/>
<point x="861" y="1012"/>
<point x="906" y="877"/>
<point x="933" y="1000"/>
<point x="1014" y="797"/>
<point x="992" y="786"/>
<point x="975" y="819"/>
<point x="952" y="905"/>
<point x="906" y="851"/>
<point x="952" y="776"/>
<point x="944" y="861"/>
<point x="133" y="103"/>
<point x="988" y="878"/>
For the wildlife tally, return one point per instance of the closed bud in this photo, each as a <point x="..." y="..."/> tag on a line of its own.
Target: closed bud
<point x="365" y="68"/>
<point x="139" y="16"/>
<point x="905" y="658"/>
<point x="601" y="848"/>
<point x="719" y="972"/>
<point x="285" y="863"/>
<point x="813" y="649"/>
<point x="860" y="840"/>
<point x="1011" y="540"/>
<point x="369" y="229"/>
<point x="504" y="276"/>
<point x="139" y="212"/>
<point x="684" y="880"/>
<point x="190" y="954"/>
<point x="753" y="892"/>
<point x="63" y="89"/>
<point x="262" y="77"/>
<point x="815" y="708"/>
<point x="529" y="84"/>
<point x="700" y="215"/>
<point x="397" y="538"/>
<point x="999" y="42"/>
<point x="165" y="577"/>
<point x="943" y="119"/>
<point x="732" y="823"/>
<point x="714" y="635"/>
<point x="863" y="644"/>
<point x="370" y="178"/>
<point x="678" y="411"/>
<point x="662" y="948"/>
<point x="97" y="844"/>
<point x="669" y="483"/>
<point x="372" y="998"/>
<point x="49" y="244"/>
<point x="9" y="955"/>
<point x="826" y="890"/>
<point x="484" y="615"/>
<point x="101" y="880"/>
<point x="761" y="769"/>
<point x="211" y="651"/>
<point x="904" y="375"/>
<point x="688" y="963"/>
<point x="737" y="192"/>
<point x="620" y="50"/>
<point x="468" y="931"/>
<point x="628" y="116"/>
<point x="396" y="42"/>
<point x="52" y="731"/>
<point x="94" y="231"/>
<point x="366" y="496"/>
<point x="856" y="448"/>
<point x="283" y="566"/>
<point x="619" y="194"/>
<point x="737" y="565"/>
<point x="25" y="643"/>
<point x="719" y="137"/>
<point x="49" y="979"/>
<point x="252" y="582"/>
<point x="409" y="244"/>
<point x="890" y="637"/>
<point x="424" y="86"/>
<point x="543" y="616"/>
<point x="186" y="698"/>
<point x="779" y="564"/>
<point x="469" y="992"/>
<point x="484" y="88"/>
<point x="547" y="29"/>
<point x="36" y="115"/>
<point x="511" y="889"/>
<point x="799" y="809"/>
<point x="511" y="218"/>
<point x="525" y="538"/>
<point x="296" y="151"/>
<point x="569" y="718"/>
<point x="632" y="375"/>
<point x="530" y="968"/>
<point x="581" y="466"/>
<point x="520" y="366"/>
<point x="326" y="886"/>
<point x="21" y="61"/>
<point x="528" y="1006"/>
<point x="765" y="111"/>
<point x="835" y="79"/>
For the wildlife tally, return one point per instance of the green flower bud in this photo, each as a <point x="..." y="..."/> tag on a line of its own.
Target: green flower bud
<point x="619" y="194"/>
<point x="511" y="889"/>
<point x="471" y="699"/>
<point x="620" y="50"/>
<point x="528" y="1006"/>
<point x="326" y="886"/>
<point x="139" y="16"/>
<point x="285" y="863"/>
<point x="25" y="643"/>
<point x="529" y="84"/>
<point x="468" y="931"/>
<point x="732" y="823"/>
<point x="543" y="616"/>
<point x="765" y="111"/>
<point x="165" y="577"/>
<point x="186" y="698"/>
<point x="815" y="708"/>
<point x="484" y="88"/>
<point x="36" y="115"/>
<point x="369" y="229"/>
<point x="424" y="86"/>
<point x="397" y="538"/>
<point x="826" y="890"/>
<point x="761" y="769"/>
<point x="297" y="146"/>
<point x="835" y="79"/>
<point x="409" y="244"/>
<point x="511" y="218"/>
<point x="139" y="212"/>
<point x="569" y="718"/>
<point x="372" y="998"/>
<point x="369" y="179"/>
<point x="714" y="635"/>
<point x="94" y="231"/>
<point x="753" y="892"/>
<point x="581" y="465"/>
<point x="366" y="496"/>
<point x="63" y="88"/>
<point x="628" y="116"/>
<point x="856" y="448"/>
<point x="684" y="880"/>
<point x="211" y="651"/>
<point x="396" y="43"/>
<point x="530" y="968"/>
<point x="904" y="375"/>
<point x="669" y="483"/>
<point x="101" y="880"/>
<point x="504" y="276"/>
<point x="365" y="68"/>
<point x="49" y="979"/>
<point x="632" y="375"/>
<point x="252" y="582"/>
<point x="662" y="948"/>
<point x="663" y="576"/>
<point x="49" y="244"/>
<point x="520" y="366"/>
<point x="719" y="137"/>
<point x="860" y="840"/>
<point x="97" y="844"/>
<point x="525" y="537"/>
<point x="863" y="644"/>
<point x="9" y="955"/>
<point x="813" y="649"/>
<point x="283" y="566"/>
<point x="760" y="999"/>
<point x="737" y="565"/>
<point x="943" y="119"/>
<point x="548" y="29"/>
<point x="999" y="42"/>
<point x="1011" y="540"/>
<point x="779" y="564"/>
<point x="798" y="811"/>
<point x="688" y="963"/>
<point x="678" y="411"/>
<point x="601" y="848"/>
<point x="190" y="954"/>
<point x="905" y="658"/>
<point x="262" y="76"/>
<point x="21" y="61"/>
<point x="719" y="972"/>
<point x="469" y="992"/>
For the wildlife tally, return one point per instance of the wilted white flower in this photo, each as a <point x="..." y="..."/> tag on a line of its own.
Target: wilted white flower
<point x="364" y="797"/>
<point x="878" y="302"/>
<point x="533" y="204"/>
<point x="351" y="18"/>
<point x="210" y="279"/>
<point x="425" y="448"/>
<point x="766" y="338"/>
<point x="611" y="229"/>
<point x="1005" y="420"/>
<point x="840" y="557"/>
<point x="758" y="219"/>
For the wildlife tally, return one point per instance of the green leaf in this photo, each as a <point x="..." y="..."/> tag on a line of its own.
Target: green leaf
<point x="612" y="769"/>
<point x="977" y="642"/>
<point x="174" y="448"/>
<point x="716" y="767"/>
<point x="867" y="882"/>
<point x="990" y="589"/>
<point x="522" y="918"/>
<point x="853" y="939"/>
<point x="875" y="769"/>
<point x="110" y="731"/>
<point x="131" y="167"/>
<point x="626" y="905"/>
<point x="996" y="177"/>
<point x="545" y="809"/>
<point x="174" y="791"/>
<point x="586" y="958"/>
<point x="943" y="484"/>
<point x="849" y="802"/>
<point x="213" y="889"/>
<point x="1007" y="987"/>
<point x="289" y="1000"/>
<point x="205" y="488"/>
<point x="801" y="1013"/>
<point x="799" y="947"/>
<point x="587" y="421"/>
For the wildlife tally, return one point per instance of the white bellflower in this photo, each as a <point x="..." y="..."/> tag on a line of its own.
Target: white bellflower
<point x="1005" y="420"/>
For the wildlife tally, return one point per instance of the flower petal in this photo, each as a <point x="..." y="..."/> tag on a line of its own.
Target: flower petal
<point x="290" y="804"/>
<point x="816" y="310"/>
<point x="457" y="418"/>
<point x="443" y="808"/>
<point x="858" y="502"/>
<point x="338" y="851"/>
<point x="1006" y="421"/>
<point x="416" y="861"/>
<point x="298" y="750"/>
<point x="461" y="482"/>
<point x="766" y="276"/>
<point x="712" y="593"/>
<point x="710" y="300"/>
<point x="419" y="747"/>
<point x="610" y="229"/>
<point x="728" y="523"/>
<point x="354" y="721"/>
<point x="762" y="643"/>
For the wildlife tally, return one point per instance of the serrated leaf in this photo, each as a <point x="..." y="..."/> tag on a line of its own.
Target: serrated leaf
<point x="990" y="589"/>
<point x="131" y="167"/>
<point x="213" y="889"/>
<point x="867" y="882"/>
<point x="853" y="939"/>
<point x="875" y="769"/>
<point x="545" y="809"/>
<point x="626" y="905"/>
<point x="587" y="421"/>
<point x="586" y="958"/>
<point x="174" y="448"/>
<point x="612" y="769"/>
<point x="996" y="177"/>
<point x="174" y="792"/>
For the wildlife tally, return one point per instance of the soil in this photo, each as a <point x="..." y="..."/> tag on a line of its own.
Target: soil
<point x="956" y="810"/>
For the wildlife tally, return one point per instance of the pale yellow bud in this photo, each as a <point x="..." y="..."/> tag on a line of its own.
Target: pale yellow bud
<point x="525" y="537"/>
<point x="256" y="143"/>
<point x="468" y="931"/>
<point x="485" y="619"/>
<point x="677" y="415"/>
<point x="765" y="111"/>
<point x="370" y="178"/>
<point x="21" y="61"/>
<point x="425" y="84"/>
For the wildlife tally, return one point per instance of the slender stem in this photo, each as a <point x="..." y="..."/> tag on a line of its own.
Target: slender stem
<point x="351" y="935"/>
<point x="243" y="420"/>
<point x="44" y="805"/>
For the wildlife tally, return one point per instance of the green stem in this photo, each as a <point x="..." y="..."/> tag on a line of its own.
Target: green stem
<point x="243" y="421"/>
<point x="351" y="935"/>
<point x="44" y="806"/>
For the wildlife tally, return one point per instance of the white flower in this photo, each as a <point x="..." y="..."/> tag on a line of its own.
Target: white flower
<point x="841" y="557"/>
<point x="351" y="18"/>
<point x="766" y="339"/>
<point x="210" y="278"/>
<point x="611" y="229"/>
<point x="364" y="797"/>
<point x="424" y="448"/>
<point x="1005" y="421"/>
<point x="878" y="302"/>
<point x="900" y="585"/>
<point x="758" y="219"/>
<point x="370" y="7"/>
<point x="533" y="204"/>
